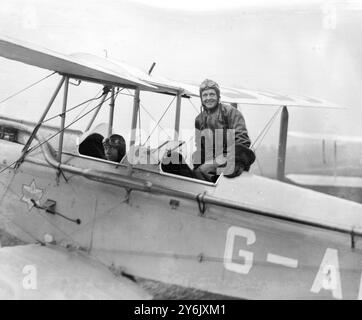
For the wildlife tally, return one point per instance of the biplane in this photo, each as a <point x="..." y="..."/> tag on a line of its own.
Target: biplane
<point x="329" y="174"/>
<point x="247" y="237"/>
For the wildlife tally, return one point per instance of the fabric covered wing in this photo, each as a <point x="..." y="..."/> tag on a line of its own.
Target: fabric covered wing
<point x="261" y="97"/>
<point x="49" y="272"/>
<point x="228" y="94"/>
<point x="94" y="68"/>
<point x="65" y="64"/>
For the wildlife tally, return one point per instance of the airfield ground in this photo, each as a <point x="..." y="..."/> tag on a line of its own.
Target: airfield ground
<point x="159" y="291"/>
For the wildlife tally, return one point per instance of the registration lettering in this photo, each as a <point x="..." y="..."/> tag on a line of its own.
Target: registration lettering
<point x="328" y="276"/>
<point x="247" y="256"/>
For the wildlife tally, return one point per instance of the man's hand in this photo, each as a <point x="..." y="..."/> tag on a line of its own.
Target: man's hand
<point x="238" y="169"/>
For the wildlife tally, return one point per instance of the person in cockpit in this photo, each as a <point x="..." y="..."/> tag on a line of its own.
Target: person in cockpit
<point x="114" y="147"/>
<point x="221" y="138"/>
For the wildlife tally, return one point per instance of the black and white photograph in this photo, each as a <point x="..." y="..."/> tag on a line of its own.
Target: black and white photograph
<point x="180" y="150"/>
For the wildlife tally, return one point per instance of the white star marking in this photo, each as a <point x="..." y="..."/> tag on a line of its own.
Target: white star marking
<point x="31" y="192"/>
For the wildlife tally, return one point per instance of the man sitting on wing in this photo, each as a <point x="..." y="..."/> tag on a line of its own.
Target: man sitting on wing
<point x="221" y="137"/>
<point x="114" y="147"/>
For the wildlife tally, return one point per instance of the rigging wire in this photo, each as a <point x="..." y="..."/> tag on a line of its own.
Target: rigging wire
<point x="262" y="135"/>
<point x="71" y="109"/>
<point x="54" y="135"/>
<point x="265" y="130"/>
<point x="79" y="105"/>
<point x="26" y="88"/>
<point x="10" y="165"/>
<point x="197" y="111"/>
<point x="150" y="115"/>
<point x="168" y="107"/>
<point x="127" y="94"/>
<point x="85" y="107"/>
<point x="118" y="92"/>
<point x="66" y="127"/>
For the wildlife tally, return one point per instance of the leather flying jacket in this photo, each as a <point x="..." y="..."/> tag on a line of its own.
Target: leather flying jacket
<point x="224" y="117"/>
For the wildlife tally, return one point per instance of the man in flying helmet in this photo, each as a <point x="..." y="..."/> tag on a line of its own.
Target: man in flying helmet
<point x="114" y="147"/>
<point x="221" y="138"/>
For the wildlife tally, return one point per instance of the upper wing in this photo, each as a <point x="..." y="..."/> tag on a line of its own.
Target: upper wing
<point x="157" y="84"/>
<point x="229" y="95"/>
<point x="65" y="64"/>
<point x="260" y="97"/>
<point x="99" y="69"/>
<point x="48" y="272"/>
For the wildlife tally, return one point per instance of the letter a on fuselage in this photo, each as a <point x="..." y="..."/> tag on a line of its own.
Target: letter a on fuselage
<point x="328" y="276"/>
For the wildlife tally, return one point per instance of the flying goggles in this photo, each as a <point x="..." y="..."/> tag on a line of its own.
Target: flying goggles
<point x="114" y="140"/>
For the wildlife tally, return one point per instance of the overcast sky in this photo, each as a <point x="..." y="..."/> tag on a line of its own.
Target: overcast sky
<point x="306" y="47"/>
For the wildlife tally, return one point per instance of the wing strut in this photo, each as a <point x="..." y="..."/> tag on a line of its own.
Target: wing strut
<point x="62" y="122"/>
<point x="105" y="93"/>
<point x="111" y="113"/>
<point x="136" y="106"/>
<point x="33" y="134"/>
<point x="177" y="117"/>
<point x="282" y="149"/>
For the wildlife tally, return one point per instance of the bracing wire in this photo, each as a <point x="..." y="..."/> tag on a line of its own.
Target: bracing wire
<point x="152" y="117"/>
<point x="168" y="107"/>
<point x="66" y="127"/>
<point x="89" y="101"/>
<point x="58" y="132"/>
<point x="197" y="111"/>
<point x="265" y="130"/>
<point x="86" y="106"/>
<point x="26" y="88"/>
<point x="73" y="108"/>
